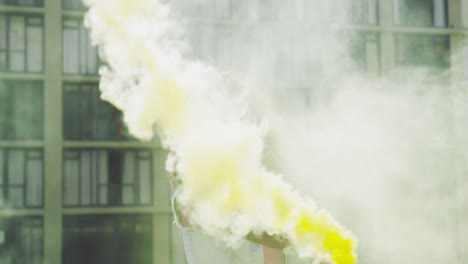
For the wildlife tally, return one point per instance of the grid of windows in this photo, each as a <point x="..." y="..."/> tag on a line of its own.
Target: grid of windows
<point x="420" y="13"/>
<point x="423" y="50"/>
<point x="22" y="2"/>
<point x="21" y="38"/>
<point x="21" y="178"/>
<point x="121" y="177"/>
<point x="79" y="57"/>
<point x="87" y="117"/>
<point x="21" y="110"/>
<point x="21" y="240"/>
<point x="107" y="177"/>
<point x="115" y="239"/>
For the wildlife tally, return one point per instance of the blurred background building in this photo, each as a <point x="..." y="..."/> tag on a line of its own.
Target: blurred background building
<point x="76" y="188"/>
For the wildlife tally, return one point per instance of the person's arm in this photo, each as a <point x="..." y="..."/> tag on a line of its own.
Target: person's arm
<point x="272" y="255"/>
<point x="272" y="247"/>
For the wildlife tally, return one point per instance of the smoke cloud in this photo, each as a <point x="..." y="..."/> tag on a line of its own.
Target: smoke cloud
<point x="226" y="190"/>
<point x="383" y="154"/>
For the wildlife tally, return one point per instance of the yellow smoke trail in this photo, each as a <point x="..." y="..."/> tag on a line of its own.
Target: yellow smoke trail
<point x="228" y="191"/>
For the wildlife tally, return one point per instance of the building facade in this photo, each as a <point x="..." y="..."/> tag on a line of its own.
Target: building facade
<point x="76" y="188"/>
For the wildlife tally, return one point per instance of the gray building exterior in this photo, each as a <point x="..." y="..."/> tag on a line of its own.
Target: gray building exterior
<point x="76" y="188"/>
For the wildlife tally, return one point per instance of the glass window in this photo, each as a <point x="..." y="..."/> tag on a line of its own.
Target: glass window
<point x="21" y="110"/>
<point x="22" y="2"/>
<point x="420" y="13"/>
<point x="423" y="50"/>
<point x="364" y="12"/>
<point x="87" y="117"/>
<point x="79" y="56"/>
<point x="21" y="40"/>
<point x="107" y="177"/>
<point x="21" y="178"/>
<point x="21" y="240"/>
<point x="115" y="239"/>
<point x="73" y="5"/>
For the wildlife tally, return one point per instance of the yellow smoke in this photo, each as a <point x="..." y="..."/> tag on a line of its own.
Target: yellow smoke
<point x="225" y="186"/>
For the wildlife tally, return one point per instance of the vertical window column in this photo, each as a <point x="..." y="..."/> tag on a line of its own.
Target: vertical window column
<point x="79" y="57"/>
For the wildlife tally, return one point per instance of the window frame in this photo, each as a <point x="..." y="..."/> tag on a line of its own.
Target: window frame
<point x="79" y="28"/>
<point x="6" y="187"/>
<point x="398" y="16"/>
<point x="19" y="223"/>
<point x="37" y="3"/>
<point x="95" y="106"/>
<point x="75" y="8"/>
<point x="8" y="50"/>
<point x="97" y="204"/>
<point x="10" y="126"/>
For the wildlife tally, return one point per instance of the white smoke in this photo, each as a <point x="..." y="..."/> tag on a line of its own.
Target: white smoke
<point x="383" y="155"/>
<point x="226" y="190"/>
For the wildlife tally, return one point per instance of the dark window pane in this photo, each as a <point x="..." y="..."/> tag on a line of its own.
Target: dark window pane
<point x="73" y="4"/>
<point x="107" y="239"/>
<point x="21" y="110"/>
<point x="87" y="117"/>
<point x="22" y="240"/>
<point x="107" y="177"/>
<point x="423" y="50"/>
